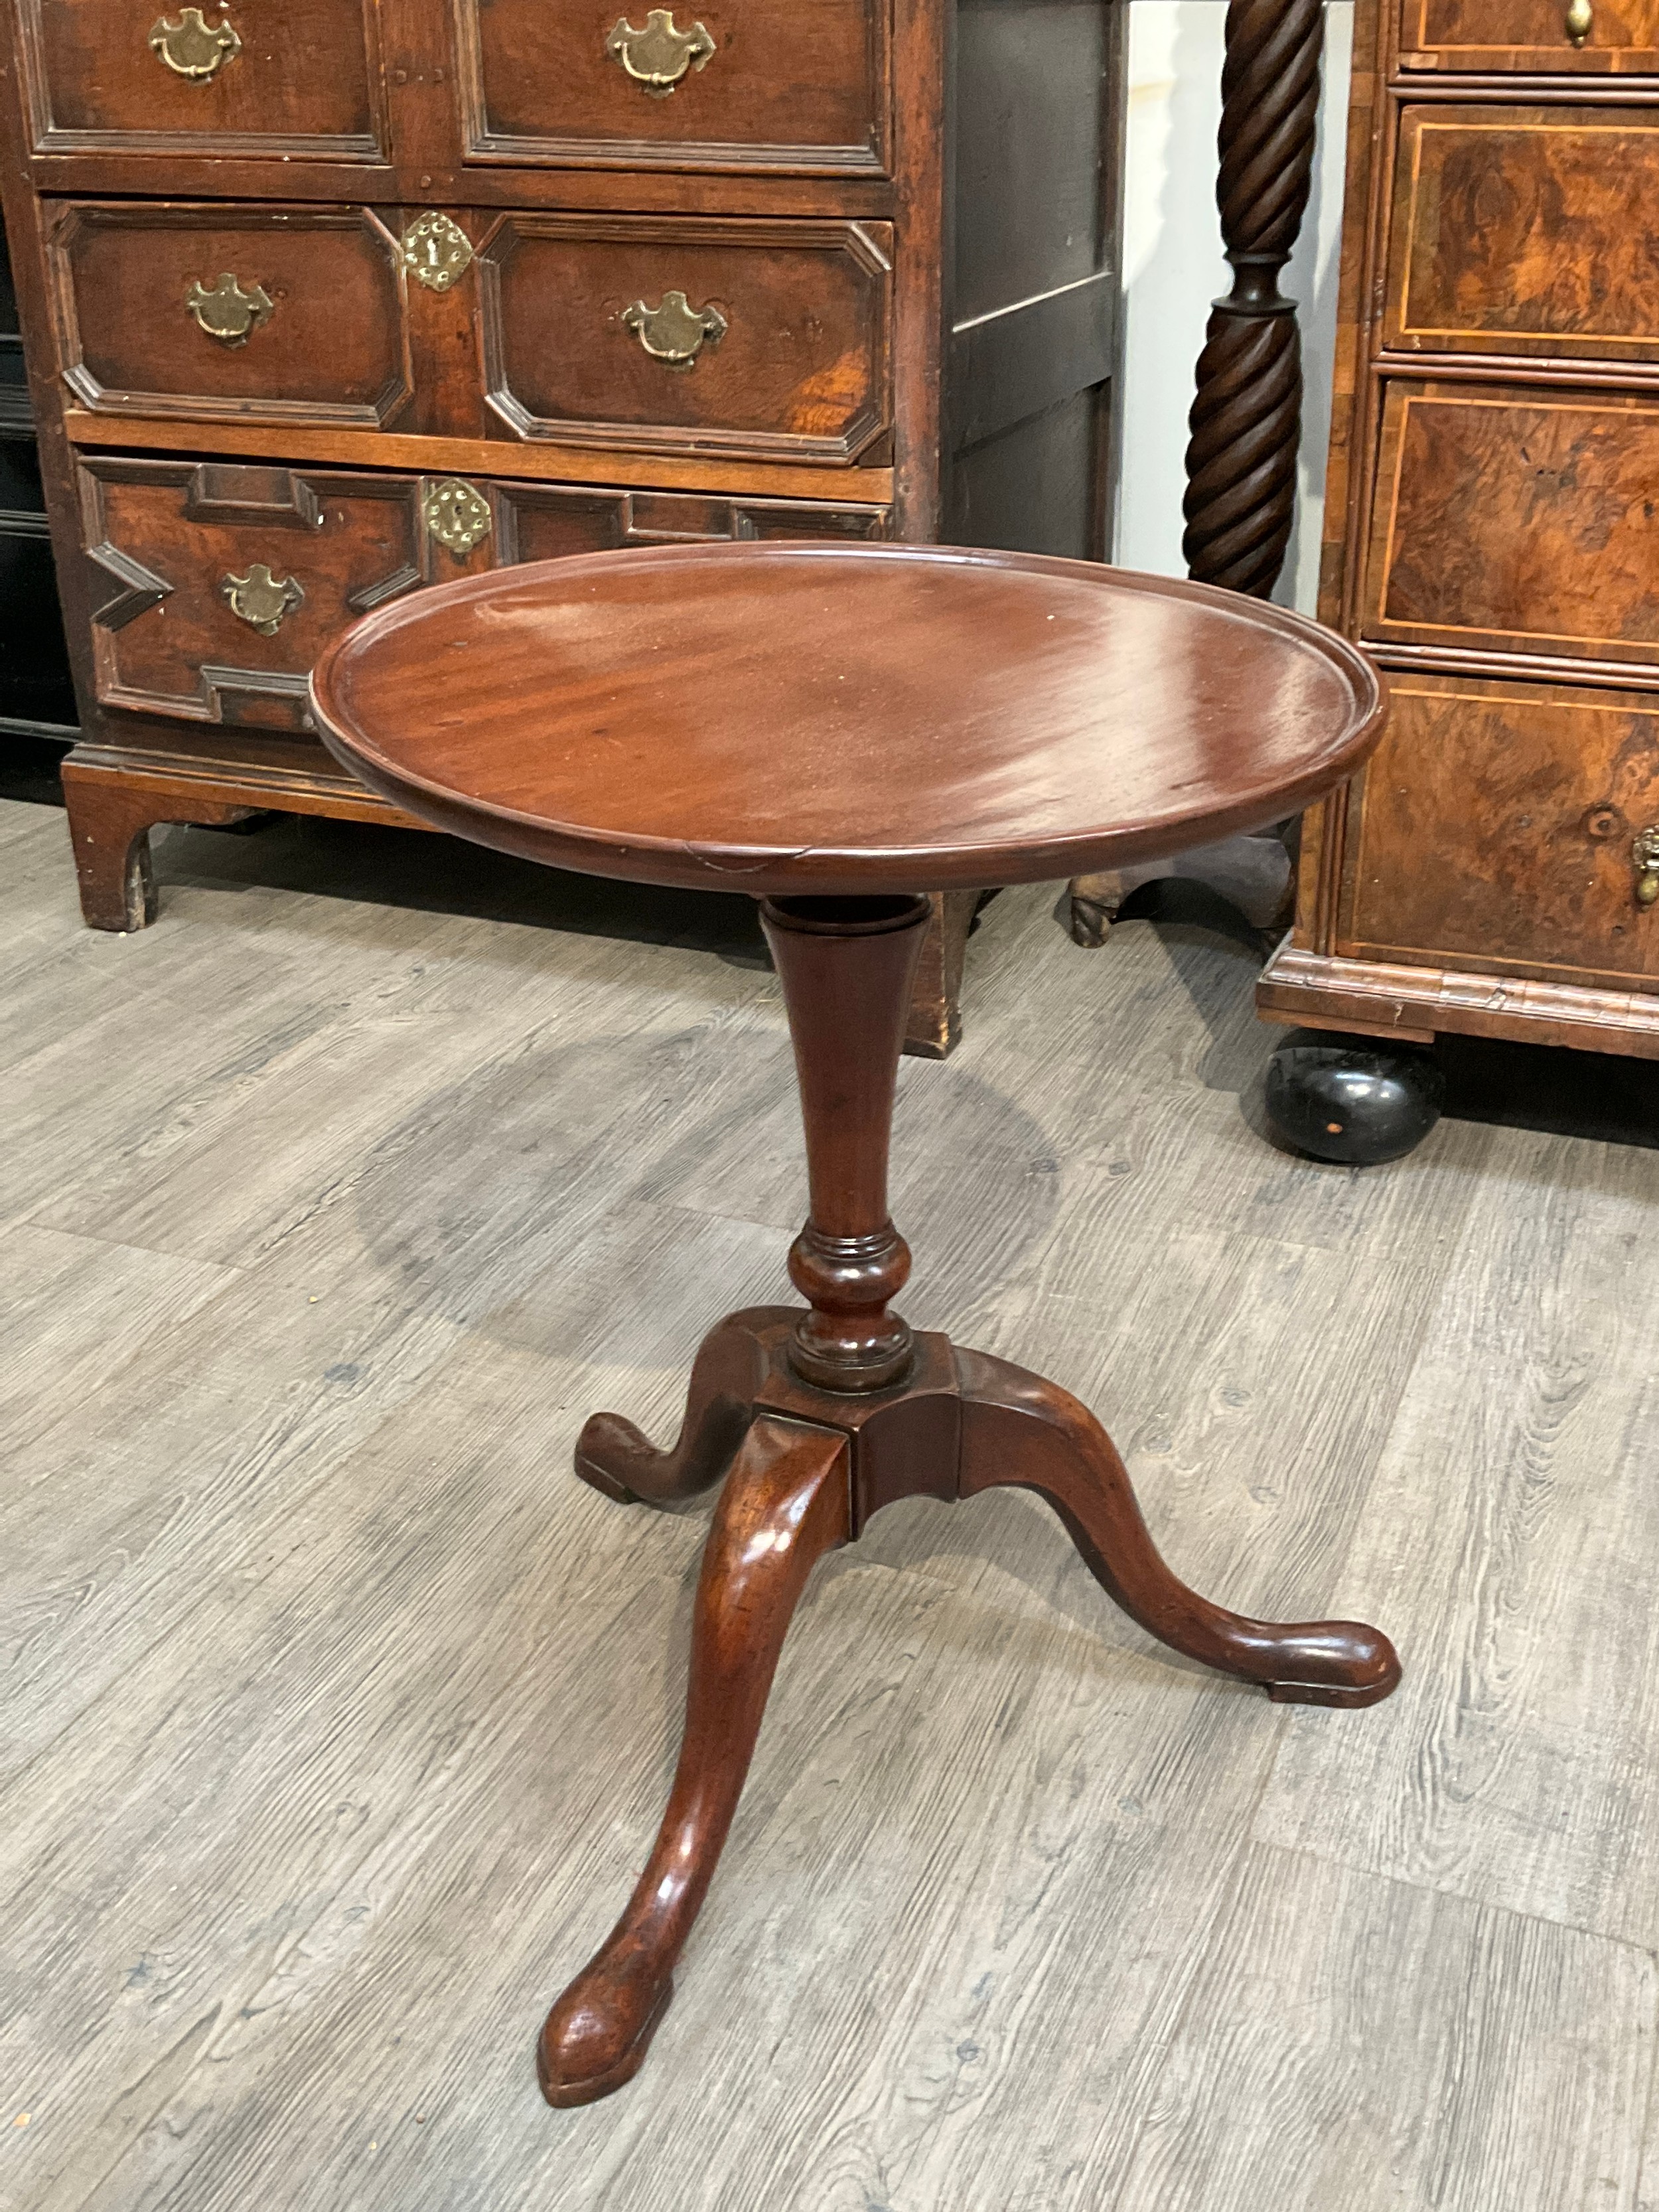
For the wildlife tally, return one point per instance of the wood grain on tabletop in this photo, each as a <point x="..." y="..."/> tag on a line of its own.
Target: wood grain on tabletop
<point x="930" y="718"/>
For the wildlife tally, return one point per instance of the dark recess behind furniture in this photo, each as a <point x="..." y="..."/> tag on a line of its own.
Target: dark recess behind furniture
<point x="37" y="699"/>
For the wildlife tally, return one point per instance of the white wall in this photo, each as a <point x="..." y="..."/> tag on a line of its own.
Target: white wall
<point x="1173" y="268"/>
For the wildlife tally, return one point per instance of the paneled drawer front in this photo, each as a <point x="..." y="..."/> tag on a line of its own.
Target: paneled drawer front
<point x="291" y="315"/>
<point x="1525" y="231"/>
<point x="216" y="585"/>
<point x="741" y="84"/>
<point x="672" y="334"/>
<point x="1517" y="521"/>
<point x="1496" y="828"/>
<point x="239" y="80"/>
<point x="1620" y="36"/>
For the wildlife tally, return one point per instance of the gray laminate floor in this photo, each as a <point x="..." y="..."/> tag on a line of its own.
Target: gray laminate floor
<point x="338" y="1716"/>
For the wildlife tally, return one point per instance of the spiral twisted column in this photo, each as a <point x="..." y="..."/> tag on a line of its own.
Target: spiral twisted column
<point x="1246" y="420"/>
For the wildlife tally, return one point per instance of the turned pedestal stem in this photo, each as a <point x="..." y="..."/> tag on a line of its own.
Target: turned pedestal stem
<point x="846" y="965"/>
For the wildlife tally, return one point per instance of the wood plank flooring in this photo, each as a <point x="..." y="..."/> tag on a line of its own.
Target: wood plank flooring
<point x="335" y="1716"/>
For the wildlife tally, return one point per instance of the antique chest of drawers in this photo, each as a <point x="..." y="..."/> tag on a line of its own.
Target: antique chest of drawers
<point x="327" y="303"/>
<point x="1493" y="533"/>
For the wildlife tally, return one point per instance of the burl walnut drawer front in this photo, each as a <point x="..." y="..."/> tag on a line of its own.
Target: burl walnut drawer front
<point x="742" y="84"/>
<point x="216" y="585"/>
<point x="1545" y="37"/>
<point x="259" y="314"/>
<point x="1525" y="231"/>
<point x="1516" y="522"/>
<point x="245" y="79"/>
<point x="1500" y="827"/>
<point x="762" y="340"/>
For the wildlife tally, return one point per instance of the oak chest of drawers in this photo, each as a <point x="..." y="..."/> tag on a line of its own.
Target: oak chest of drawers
<point x="329" y="301"/>
<point x="1493" y="529"/>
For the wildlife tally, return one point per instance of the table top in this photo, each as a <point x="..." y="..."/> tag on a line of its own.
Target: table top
<point x="784" y="717"/>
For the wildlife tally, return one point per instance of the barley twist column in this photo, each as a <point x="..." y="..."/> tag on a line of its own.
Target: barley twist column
<point x="1245" y="421"/>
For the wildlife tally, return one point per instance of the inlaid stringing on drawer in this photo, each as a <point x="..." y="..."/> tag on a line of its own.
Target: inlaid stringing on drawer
<point x="1545" y="37"/>
<point x="1516" y="522"/>
<point x="1563" y="786"/>
<point x="1482" y="196"/>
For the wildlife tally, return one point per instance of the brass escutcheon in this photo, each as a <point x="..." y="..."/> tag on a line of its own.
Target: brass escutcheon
<point x="261" y="598"/>
<point x="192" y="47"/>
<point x="1579" y="20"/>
<point x="435" y="251"/>
<point x="456" y="515"/>
<point x="226" y="311"/>
<point x="676" y="332"/>
<point x="1644" y="858"/>
<point x="657" y="57"/>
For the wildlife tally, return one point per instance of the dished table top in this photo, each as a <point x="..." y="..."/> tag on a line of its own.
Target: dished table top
<point x="782" y="718"/>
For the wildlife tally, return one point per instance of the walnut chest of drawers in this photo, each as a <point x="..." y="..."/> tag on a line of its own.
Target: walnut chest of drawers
<point x="327" y="302"/>
<point x="1492" y="528"/>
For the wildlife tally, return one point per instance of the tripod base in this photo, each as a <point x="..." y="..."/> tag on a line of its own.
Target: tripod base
<point x="807" y="1467"/>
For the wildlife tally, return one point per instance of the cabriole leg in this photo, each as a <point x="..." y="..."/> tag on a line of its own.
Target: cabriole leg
<point x="617" y="1459"/>
<point x="1019" y="1430"/>
<point x="786" y="1502"/>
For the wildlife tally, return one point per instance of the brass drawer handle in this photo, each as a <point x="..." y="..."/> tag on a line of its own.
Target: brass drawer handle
<point x="456" y="515"/>
<point x="1578" y="21"/>
<point x="226" y="311"/>
<point x="436" y="251"/>
<point x="657" y="57"/>
<point x="1644" y="858"/>
<point x="194" y="48"/>
<point x="674" y="333"/>
<point x="261" y="598"/>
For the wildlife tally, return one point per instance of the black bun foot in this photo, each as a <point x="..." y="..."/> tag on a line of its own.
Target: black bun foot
<point x="1357" y="1099"/>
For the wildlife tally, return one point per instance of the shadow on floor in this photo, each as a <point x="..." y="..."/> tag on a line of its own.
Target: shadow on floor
<point x="1604" y="1096"/>
<point x="1600" y="1095"/>
<point x="28" y="769"/>
<point x="415" y="869"/>
<point x="412" y="868"/>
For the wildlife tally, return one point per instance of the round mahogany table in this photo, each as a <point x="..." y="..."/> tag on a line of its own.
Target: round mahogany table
<point x="839" y="729"/>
